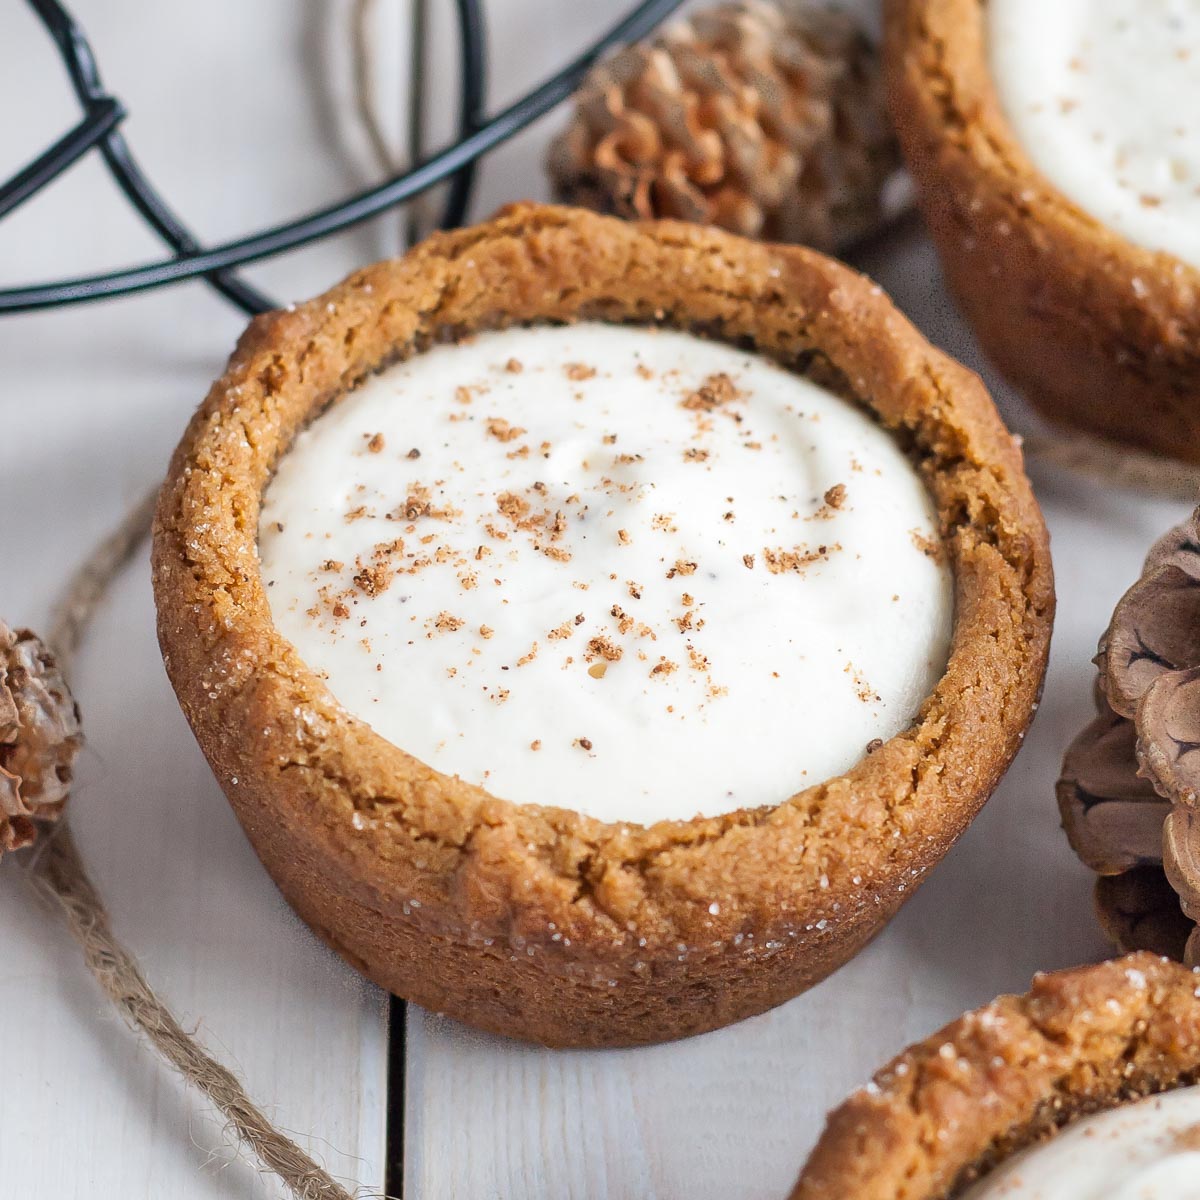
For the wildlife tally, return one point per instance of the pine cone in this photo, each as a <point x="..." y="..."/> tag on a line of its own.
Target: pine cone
<point x="1129" y="793"/>
<point x="40" y="736"/>
<point x="767" y="119"/>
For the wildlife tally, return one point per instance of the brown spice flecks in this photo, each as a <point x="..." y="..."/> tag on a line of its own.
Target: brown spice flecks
<point x="528" y="656"/>
<point x="698" y="661"/>
<point x="779" y="562"/>
<point x="579" y="618"/>
<point x="536" y="744"/>
<point x="578" y="372"/>
<point x="514" y="507"/>
<point x="681" y="568"/>
<point x="716" y="390"/>
<point x="643" y="371"/>
<point x="695" y="454"/>
<point x="356" y="514"/>
<point x="446" y="622"/>
<point x="486" y="631"/>
<point x="417" y="503"/>
<point x="504" y="431"/>
<point x="834" y="499"/>
<point x="664" y="522"/>
<point x="928" y="546"/>
<point x="332" y="565"/>
<point x="862" y="689"/>
<point x="874" y="744"/>
<point x="663" y="667"/>
<point x="514" y="366"/>
<point x="601" y="647"/>
<point x="583" y="743"/>
<point x="561" y="631"/>
<point x="414" y="453"/>
<point x="1187" y="1139"/>
<point x="748" y="559"/>
<point x="373" y="580"/>
<point x="624" y="621"/>
<point x="375" y="443"/>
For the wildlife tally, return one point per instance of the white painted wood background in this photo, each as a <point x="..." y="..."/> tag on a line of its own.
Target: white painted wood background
<point x="91" y="400"/>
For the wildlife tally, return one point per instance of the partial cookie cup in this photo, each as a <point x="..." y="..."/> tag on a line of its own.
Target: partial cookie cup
<point x="538" y="922"/>
<point x="1099" y="333"/>
<point x="953" y="1108"/>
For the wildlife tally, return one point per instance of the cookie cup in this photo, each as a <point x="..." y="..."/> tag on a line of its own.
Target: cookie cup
<point x="950" y="1109"/>
<point x="1098" y="333"/>
<point x="536" y="921"/>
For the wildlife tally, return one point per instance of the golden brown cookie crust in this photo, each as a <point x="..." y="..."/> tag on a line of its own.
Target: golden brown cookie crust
<point x="1007" y="1075"/>
<point x="1099" y="333"/>
<point x="539" y="922"/>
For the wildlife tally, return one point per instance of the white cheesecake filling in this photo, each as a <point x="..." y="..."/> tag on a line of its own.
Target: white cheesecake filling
<point x="624" y="571"/>
<point x="1104" y="96"/>
<point x="1149" y="1150"/>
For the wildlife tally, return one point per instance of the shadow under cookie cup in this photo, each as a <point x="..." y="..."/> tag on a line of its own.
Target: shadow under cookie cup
<point x="536" y="921"/>
<point x="1098" y="333"/>
<point x="950" y="1109"/>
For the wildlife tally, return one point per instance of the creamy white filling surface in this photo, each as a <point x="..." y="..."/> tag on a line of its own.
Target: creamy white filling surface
<point x="625" y="571"/>
<point x="1104" y="96"/>
<point x="1149" y="1150"/>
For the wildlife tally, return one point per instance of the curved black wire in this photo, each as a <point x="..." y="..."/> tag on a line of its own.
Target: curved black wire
<point x="473" y="81"/>
<point x="333" y="219"/>
<point x="53" y="161"/>
<point x="84" y="73"/>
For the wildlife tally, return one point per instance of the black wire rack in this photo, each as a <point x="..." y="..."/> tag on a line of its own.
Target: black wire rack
<point x="99" y="130"/>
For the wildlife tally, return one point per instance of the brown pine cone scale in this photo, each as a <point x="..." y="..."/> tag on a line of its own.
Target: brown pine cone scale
<point x="40" y="736"/>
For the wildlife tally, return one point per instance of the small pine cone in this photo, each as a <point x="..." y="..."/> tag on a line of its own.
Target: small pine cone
<point x="767" y="119"/>
<point x="40" y="736"/>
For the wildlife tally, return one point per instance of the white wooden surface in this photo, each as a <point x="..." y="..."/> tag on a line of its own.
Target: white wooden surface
<point x="90" y="402"/>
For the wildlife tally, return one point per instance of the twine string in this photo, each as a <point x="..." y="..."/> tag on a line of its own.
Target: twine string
<point x="365" y="105"/>
<point x="59" y="872"/>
